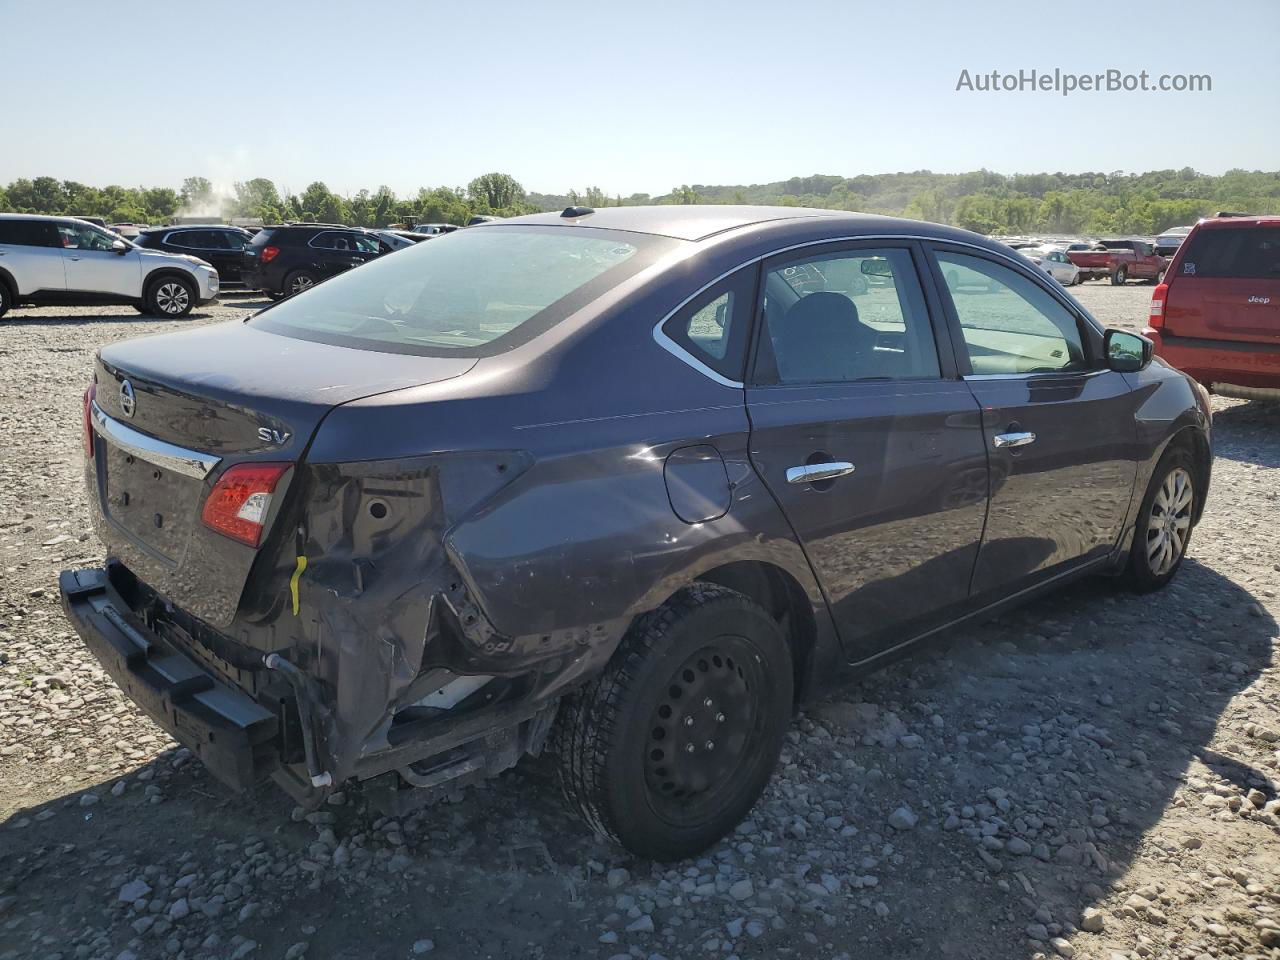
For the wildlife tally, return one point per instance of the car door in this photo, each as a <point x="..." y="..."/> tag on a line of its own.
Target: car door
<point x="867" y="439"/>
<point x="94" y="267"/>
<point x="1060" y="426"/>
<point x="230" y="254"/>
<point x="333" y="253"/>
<point x="31" y="253"/>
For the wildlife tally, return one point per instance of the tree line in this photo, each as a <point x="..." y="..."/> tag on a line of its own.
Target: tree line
<point x="1093" y="204"/>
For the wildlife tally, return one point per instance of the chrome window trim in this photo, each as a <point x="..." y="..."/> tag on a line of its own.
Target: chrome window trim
<point x="1043" y="373"/>
<point x="169" y="456"/>
<point x="686" y="357"/>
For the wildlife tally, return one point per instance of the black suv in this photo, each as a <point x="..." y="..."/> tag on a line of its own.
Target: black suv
<point x="284" y="260"/>
<point x="222" y="246"/>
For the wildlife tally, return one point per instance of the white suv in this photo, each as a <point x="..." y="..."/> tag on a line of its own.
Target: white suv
<point x="62" y="261"/>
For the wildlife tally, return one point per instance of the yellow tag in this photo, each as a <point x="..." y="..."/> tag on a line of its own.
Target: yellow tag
<point x="293" y="582"/>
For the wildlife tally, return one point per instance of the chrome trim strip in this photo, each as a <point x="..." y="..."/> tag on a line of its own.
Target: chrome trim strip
<point x="685" y="356"/>
<point x="169" y="456"/>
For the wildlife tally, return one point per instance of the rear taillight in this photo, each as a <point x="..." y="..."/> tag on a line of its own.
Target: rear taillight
<point x="87" y="419"/>
<point x="1158" y="297"/>
<point x="239" y="502"/>
<point x="269" y="254"/>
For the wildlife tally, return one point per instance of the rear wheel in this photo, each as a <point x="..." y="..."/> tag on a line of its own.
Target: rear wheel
<point x="6" y="299"/>
<point x="300" y="281"/>
<point x="1163" y="529"/>
<point x="170" y="297"/>
<point x="1120" y="276"/>
<point x="673" y="743"/>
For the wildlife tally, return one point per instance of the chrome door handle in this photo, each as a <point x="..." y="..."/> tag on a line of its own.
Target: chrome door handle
<point x="1013" y="439"/>
<point x="813" y="472"/>
<point x="75" y="258"/>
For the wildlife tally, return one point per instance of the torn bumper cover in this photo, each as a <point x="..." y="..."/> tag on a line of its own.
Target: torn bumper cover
<point x="234" y="736"/>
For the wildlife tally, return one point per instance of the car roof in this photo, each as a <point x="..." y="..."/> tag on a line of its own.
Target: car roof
<point x="194" y="226"/>
<point x="702" y="221"/>
<point x="681" y="221"/>
<point x="62" y="218"/>
<point x="1256" y="220"/>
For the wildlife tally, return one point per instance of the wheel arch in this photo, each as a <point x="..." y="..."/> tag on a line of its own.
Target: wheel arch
<point x="1192" y="439"/>
<point x="160" y="273"/>
<point x="11" y="285"/>
<point x="785" y="600"/>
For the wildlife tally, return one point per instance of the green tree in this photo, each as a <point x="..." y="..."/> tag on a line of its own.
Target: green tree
<point x="258" y="198"/>
<point x="497" y="191"/>
<point x="196" y="192"/>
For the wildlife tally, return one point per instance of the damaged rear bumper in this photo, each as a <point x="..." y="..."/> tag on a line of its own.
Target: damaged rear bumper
<point x="233" y="735"/>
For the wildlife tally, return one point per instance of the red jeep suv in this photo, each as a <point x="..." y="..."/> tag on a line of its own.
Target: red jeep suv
<point x="1217" y="315"/>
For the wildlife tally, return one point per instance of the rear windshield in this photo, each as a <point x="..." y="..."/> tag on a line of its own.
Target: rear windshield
<point x="1249" y="252"/>
<point x="473" y="292"/>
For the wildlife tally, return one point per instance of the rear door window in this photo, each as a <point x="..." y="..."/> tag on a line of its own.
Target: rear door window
<point x="1245" y="252"/>
<point x="28" y="233"/>
<point x="844" y="317"/>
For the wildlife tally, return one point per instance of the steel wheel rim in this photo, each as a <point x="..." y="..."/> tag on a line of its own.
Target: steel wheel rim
<point x="703" y="732"/>
<point x="1169" y="523"/>
<point x="172" y="298"/>
<point x="301" y="284"/>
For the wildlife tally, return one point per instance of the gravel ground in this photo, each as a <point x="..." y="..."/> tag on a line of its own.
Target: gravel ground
<point x="1094" y="775"/>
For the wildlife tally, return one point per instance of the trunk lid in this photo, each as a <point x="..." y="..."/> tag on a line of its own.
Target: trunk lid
<point x="231" y="394"/>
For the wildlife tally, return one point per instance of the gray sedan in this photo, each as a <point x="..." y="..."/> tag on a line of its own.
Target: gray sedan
<point x="626" y="484"/>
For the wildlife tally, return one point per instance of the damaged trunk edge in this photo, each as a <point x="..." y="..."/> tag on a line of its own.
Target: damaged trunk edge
<point x="359" y="628"/>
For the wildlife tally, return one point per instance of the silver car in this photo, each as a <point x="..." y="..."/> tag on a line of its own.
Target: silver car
<point x="1054" y="262"/>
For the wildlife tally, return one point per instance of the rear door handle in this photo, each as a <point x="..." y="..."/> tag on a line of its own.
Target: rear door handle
<point x="813" y="472"/>
<point x="1001" y="440"/>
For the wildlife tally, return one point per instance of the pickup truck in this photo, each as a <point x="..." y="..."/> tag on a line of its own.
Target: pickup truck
<point x="1120" y="260"/>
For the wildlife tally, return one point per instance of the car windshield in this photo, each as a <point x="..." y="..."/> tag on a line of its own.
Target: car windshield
<point x="473" y="292"/>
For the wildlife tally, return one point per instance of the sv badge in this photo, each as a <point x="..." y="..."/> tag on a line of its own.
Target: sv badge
<point x="278" y="437"/>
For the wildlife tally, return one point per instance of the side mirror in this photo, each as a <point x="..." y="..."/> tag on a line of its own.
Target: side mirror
<point x="1127" y="352"/>
<point x="120" y="247"/>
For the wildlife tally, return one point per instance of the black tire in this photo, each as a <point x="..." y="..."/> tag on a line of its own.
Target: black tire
<point x="709" y="663"/>
<point x="141" y="308"/>
<point x="299" y="281"/>
<point x="1143" y="573"/>
<point x="1120" y="276"/>
<point x="1158" y="278"/>
<point x="172" y="297"/>
<point x="6" y="298"/>
<point x="273" y="296"/>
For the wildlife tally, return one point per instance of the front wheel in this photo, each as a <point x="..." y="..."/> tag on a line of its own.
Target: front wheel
<point x="1163" y="529"/>
<point x="1120" y="276"/>
<point x="170" y="297"/>
<point x="5" y="300"/>
<point x="667" y="750"/>
<point x="1158" y="278"/>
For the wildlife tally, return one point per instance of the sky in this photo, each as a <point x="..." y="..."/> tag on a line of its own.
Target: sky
<point x="630" y="97"/>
